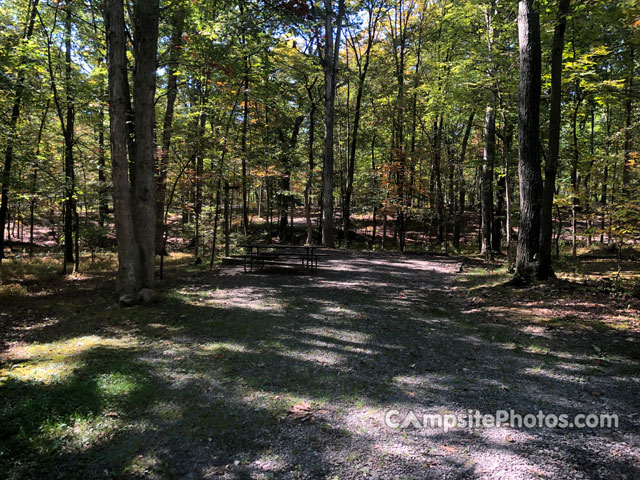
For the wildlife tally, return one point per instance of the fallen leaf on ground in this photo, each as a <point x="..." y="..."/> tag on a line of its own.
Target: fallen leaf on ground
<point x="300" y="411"/>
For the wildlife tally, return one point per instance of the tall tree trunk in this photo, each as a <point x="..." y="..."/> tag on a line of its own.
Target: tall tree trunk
<point x="308" y="184"/>
<point x="70" y="213"/>
<point x="286" y="197"/>
<point x="103" y="201"/>
<point x="457" y="227"/>
<point x="374" y="182"/>
<point x="13" y="123"/>
<point x="587" y="177"/>
<point x="487" y="179"/>
<point x="199" y="160"/>
<point x="227" y="219"/>
<point x="363" y="67"/>
<point x="129" y="260"/>
<point x="574" y="174"/>
<point x="605" y="174"/>
<point x="146" y="15"/>
<point x="175" y="44"/>
<point x="529" y="139"/>
<point x="499" y="214"/>
<point x="545" y="267"/>
<point x="136" y="240"/>
<point x="437" y="178"/>
<point x="626" y="166"/>
<point x="508" y="138"/>
<point x="34" y="181"/>
<point x="330" y="61"/>
<point x="243" y="146"/>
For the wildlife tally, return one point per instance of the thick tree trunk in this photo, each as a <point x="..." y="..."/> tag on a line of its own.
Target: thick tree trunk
<point x="129" y="260"/>
<point x="332" y="47"/>
<point x="545" y="268"/>
<point x="529" y="139"/>
<point x="136" y="239"/>
<point x="146" y="49"/>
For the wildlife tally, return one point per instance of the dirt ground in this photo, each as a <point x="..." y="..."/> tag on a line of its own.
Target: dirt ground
<point x="289" y="374"/>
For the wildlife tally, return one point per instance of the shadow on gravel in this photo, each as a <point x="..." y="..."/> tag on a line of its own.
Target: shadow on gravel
<point x="211" y="380"/>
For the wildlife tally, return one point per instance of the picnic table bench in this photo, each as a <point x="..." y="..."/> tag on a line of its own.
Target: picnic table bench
<point x="259" y="255"/>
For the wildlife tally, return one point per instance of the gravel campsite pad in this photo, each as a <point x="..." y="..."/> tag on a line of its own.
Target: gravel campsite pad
<point x="289" y="374"/>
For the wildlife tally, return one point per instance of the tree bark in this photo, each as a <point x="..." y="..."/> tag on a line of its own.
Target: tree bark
<point x="626" y="166"/>
<point x="146" y="15"/>
<point x="332" y="48"/>
<point x="508" y="138"/>
<point x="68" y="127"/>
<point x="129" y="260"/>
<point x="245" y="127"/>
<point x="136" y="240"/>
<point x="529" y="139"/>
<point x="103" y="201"/>
<point x="487" y="179"/>
<point x="545" y="267"/>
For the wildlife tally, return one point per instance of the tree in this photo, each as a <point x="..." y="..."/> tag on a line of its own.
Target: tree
<point x="175" y="44"/>
<point x="18" y="92"/>
<point x="330" y="64"/>
<point x="133" y="197"/>
<point x="362" y="60"/>
<point x="545" y="268"/>
<point x="528" y="139"/>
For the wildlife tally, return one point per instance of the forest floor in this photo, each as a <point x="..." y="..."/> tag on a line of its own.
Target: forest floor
<point x="289" y="374"/>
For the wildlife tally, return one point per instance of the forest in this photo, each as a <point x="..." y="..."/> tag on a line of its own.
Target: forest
<point x="387" y="125"/>
<point x="470" y="168"/>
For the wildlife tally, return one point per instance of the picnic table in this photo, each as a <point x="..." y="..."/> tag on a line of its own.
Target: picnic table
<point x="259" y="255"/>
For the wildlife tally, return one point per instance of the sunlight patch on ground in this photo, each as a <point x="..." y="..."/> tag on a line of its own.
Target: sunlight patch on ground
<point x="499" y="462"/>
<point x="318" y="356"/>
<point x="81" y="432"/>
<point x="168" y="411"/>
<point x="218" y="347"/>
<point x="51" y="362"/>
<point x="247" y="298"/>
<point x="13" y="290"/>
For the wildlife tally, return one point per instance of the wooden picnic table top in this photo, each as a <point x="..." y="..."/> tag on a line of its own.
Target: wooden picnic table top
<point x="278" y="245"/>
